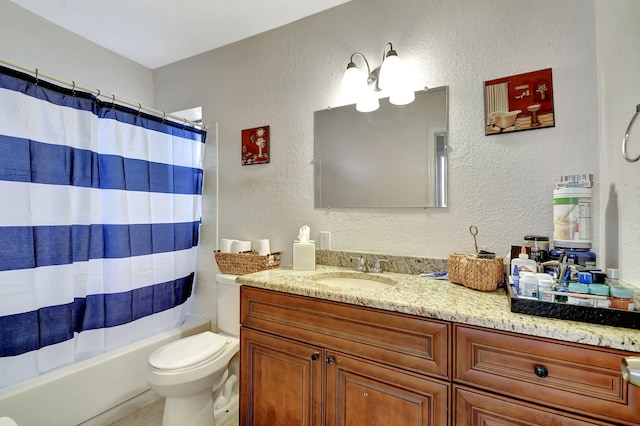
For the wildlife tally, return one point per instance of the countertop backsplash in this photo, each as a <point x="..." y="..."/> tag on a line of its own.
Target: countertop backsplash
<point x="399" y="264"/>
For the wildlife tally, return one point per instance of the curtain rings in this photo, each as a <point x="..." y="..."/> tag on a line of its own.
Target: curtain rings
<point x="164" y="116"/>
<point x="113" y="101"/>
<point x="37" y="76"/>
<point x="139" y="108"/>
<point x="184" y="125"/>
<point x="73" y="89"/>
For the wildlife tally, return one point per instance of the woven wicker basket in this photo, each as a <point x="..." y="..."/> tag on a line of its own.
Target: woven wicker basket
<point x="474" y="272"/>
<point x="246" y="263"/>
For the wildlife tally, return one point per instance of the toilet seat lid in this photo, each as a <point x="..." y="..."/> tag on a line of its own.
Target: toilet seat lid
<point x="188" y="351"/>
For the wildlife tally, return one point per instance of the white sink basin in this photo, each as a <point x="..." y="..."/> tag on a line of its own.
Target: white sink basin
<point x="353" y="279"/>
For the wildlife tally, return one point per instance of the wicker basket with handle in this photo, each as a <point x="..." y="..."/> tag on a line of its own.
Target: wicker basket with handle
<point x="475" y="272"/>
<point x="246" y="263"/>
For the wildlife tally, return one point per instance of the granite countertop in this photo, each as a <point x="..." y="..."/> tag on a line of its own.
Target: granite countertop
<point x="443" y="300"/>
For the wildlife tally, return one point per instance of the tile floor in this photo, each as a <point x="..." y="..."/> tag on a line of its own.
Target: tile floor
<point x="148" y="415"/>
<point x="151" y="415"/>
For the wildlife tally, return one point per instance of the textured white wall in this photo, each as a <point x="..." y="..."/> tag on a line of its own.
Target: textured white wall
<point x="618" y="30"/>
<point x="502" y="184"/>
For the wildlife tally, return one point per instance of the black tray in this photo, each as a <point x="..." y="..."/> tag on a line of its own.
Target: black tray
<point x="593" y="315"/>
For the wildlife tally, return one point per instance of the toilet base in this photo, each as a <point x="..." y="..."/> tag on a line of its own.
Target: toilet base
<point x="194" y="410"/>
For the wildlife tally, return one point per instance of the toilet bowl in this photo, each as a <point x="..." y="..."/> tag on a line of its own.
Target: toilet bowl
<point x="198" y="375"/>
<point x="186" y="372"/>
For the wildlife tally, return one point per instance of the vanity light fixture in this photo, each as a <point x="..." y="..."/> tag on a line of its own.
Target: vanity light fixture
<point x="390" y="77"/>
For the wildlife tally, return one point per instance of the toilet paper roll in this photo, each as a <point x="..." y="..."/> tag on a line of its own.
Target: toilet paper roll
<point x="239" y="246"/>
<point x="262" y="247"/>
<point x="225" y="245"/>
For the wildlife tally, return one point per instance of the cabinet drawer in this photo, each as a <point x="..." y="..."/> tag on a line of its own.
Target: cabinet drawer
<point x="479" y="408"/>
<point x="391" y="338"/>
<point x="579" y="378"/>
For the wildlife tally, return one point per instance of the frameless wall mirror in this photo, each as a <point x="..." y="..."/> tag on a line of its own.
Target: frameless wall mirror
<point x="395" y="156"/>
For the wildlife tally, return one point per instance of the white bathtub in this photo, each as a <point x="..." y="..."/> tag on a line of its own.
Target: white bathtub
<point x="101" y="388"/>
<point x="504" y="120"/>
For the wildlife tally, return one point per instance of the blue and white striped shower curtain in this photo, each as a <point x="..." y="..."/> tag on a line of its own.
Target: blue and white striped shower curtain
<point x="100" y="208"/>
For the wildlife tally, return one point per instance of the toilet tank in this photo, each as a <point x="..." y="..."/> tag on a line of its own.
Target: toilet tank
<point x="228" y="304"/>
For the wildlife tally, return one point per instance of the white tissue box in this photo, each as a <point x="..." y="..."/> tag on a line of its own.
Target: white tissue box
<point x="304" y="256"/>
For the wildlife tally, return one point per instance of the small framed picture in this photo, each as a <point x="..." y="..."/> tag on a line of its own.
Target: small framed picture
<point x="519" y="102"/>
<point x="255" y="145"/>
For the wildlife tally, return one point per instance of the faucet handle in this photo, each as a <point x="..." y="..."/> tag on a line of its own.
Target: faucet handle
<point x="377" y="268"/>
<point x="359" y="263"/>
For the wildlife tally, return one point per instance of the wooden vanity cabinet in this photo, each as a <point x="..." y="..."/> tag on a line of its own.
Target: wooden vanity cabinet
<point x="562" y="379"/>
<point x="308" y="361"/>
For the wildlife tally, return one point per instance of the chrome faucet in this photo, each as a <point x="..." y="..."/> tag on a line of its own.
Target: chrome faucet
<point x="362" y="265"/>
<point x="377" y="268"/>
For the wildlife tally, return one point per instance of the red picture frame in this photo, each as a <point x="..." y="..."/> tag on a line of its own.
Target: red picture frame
<point x="255" y="146"/>
<point x="519" y="102"/>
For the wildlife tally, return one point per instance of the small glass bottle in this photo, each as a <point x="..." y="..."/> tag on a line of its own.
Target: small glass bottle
<point x="613" y="277"/>
<point x="622" y="298"/>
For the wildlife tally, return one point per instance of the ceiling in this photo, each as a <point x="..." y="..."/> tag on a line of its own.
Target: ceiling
<point x="158" y="32"/>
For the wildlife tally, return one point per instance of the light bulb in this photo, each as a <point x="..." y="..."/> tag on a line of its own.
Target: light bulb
<point x="354" y="81"/>
<point x="392" y="72"/>
<point x="367" y="102"/>
<point x="402" y="97"/>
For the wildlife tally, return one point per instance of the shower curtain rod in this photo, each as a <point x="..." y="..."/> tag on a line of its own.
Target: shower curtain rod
<point x="98" y="93"/>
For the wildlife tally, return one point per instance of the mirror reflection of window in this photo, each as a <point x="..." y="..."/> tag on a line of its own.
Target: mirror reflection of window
<point x="392" y="157"/>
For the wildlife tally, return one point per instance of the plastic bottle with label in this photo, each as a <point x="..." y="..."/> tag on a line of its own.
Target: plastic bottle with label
<point x="519" y="265"/>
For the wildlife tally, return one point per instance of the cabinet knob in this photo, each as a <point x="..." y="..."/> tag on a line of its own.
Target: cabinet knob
<point x="315" y="357"/>
<point x="541" y="371"/>
<point x="330" y="360"/>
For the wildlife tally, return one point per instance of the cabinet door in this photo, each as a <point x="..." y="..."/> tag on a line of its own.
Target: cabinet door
<point x="361" y="392"/>
<point x="476" y="408"/>
<point x="281" y="381"/>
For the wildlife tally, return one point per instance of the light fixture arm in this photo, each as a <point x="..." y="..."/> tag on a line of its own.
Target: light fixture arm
<point x="352" y="64"/>
<point x="390" y="52"/>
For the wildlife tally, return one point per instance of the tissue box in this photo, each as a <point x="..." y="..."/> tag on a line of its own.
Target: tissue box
<point x="474" y="272"/>
<point x="304" y="256"/>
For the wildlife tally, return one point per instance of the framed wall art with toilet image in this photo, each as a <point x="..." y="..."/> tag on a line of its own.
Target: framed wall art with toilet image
<point x="255" y="145"/>
<point x="519" y="102"/>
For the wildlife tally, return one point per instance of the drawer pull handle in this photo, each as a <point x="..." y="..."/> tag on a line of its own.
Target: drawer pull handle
<point x="330" y="360"/>
<point x="315" y="357"/>
<point x="541" y="371"/>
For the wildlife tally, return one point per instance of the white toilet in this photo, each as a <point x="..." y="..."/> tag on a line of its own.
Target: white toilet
<point x="199" y="374"/>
